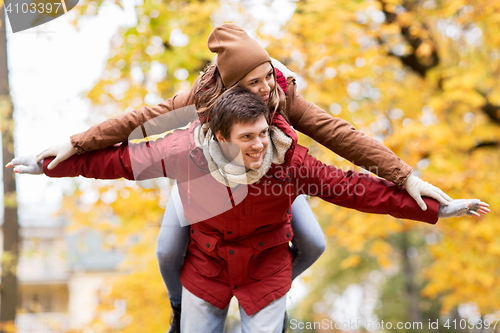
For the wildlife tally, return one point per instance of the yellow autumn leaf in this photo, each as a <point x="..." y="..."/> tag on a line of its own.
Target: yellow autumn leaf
<point x="351" y="261"/>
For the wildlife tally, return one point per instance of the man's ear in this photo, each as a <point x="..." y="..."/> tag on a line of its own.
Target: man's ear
<point x="219" y="137"/>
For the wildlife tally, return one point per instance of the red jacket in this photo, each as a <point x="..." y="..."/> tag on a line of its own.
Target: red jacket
<point x="242" y="246"/>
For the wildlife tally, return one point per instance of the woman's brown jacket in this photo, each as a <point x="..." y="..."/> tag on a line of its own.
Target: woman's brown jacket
<point x="334" y="133"/>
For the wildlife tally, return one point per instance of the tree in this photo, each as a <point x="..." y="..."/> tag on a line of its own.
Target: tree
<point x="8" y="287"/>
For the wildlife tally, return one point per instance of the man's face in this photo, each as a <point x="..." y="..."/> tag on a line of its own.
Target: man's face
<point x="247" y="143"/>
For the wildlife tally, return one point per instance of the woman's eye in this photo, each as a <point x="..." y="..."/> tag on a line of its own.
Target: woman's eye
<point x="269" y="75"/>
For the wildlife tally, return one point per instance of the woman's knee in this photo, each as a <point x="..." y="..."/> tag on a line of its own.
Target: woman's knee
<point x="172" y="244"/>
<point x="319" y="246"/>
<point x="308" y="236"/>
<point x="166" y="254"/>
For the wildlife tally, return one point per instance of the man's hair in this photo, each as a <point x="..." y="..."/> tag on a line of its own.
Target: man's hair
<point x="234" y="106"/>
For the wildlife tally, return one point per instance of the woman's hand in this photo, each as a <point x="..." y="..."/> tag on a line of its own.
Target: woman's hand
<point x="26" y="164"/>
<point x="61" y="152"/>
<point x="460" y="207"/>
<point x="416" y="187"/>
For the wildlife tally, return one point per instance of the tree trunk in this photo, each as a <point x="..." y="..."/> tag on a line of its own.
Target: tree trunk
<point x="412" y="291"/>
<point x="8" y="288"/>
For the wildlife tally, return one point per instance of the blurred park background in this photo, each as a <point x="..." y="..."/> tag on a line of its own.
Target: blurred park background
<point x="422" y="76"/>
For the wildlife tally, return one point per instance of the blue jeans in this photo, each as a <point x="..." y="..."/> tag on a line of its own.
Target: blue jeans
<point x="200" y="316"/>
<point x="307" y="245"/>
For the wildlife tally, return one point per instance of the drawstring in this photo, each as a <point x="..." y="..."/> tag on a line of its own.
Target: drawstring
<point x="230" y="196"/>
<point x="289" y="180"/>
<point x="290" y="207"/>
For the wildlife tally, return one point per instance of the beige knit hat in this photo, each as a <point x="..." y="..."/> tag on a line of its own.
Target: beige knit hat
<point x="237" y="53"/>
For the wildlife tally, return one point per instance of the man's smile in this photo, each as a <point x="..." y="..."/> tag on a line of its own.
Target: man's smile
<point x="256" y="155"/>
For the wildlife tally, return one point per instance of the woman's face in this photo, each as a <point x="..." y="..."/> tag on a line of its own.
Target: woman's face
<point x="260" y="80"/>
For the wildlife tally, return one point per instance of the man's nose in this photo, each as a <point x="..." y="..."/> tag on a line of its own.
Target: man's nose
<point x="258" y="144"/>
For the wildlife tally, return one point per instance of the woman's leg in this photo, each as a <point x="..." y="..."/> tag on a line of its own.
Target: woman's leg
<point x="172" y="245"/>
<point x="308" y="239"/>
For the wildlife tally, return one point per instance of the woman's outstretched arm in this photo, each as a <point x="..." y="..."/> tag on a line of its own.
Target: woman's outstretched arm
<point x="342" y="138"/>
<point x="118" y="129"/>
<point x="133" y="161"/>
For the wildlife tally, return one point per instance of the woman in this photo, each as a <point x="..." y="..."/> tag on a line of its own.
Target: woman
<point x="241" y="61"/>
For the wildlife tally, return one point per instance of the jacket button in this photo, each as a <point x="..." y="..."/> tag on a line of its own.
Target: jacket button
<point x="288" y="235"/>
<point x="192" y="231"/>
<point x="208" y="244"/>
<point x="261" y="244"/>
<point x="235" y="287"/>
<point x="229" y="232"/>
<point x="231" y="252"/>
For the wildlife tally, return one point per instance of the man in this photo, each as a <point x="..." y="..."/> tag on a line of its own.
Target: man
<point x="237" y="179"/>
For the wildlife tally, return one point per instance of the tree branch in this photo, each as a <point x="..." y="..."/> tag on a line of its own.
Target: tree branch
<point x="492" y="111"/>
<point x="417" y="64"/>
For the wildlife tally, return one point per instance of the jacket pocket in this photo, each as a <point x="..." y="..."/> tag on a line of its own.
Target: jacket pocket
<point x="202" y="254"/>
<point x="271" y="252"/>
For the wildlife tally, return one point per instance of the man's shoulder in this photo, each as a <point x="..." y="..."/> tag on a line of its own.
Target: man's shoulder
<point x="176" y="142"/>
<point x="299" y="155"/>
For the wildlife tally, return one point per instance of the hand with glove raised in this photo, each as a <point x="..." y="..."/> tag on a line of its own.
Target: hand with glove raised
<point x="33" y="164"/>
<point x="61" y="152"/>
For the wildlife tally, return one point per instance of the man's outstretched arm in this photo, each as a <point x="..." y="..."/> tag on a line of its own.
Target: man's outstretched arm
<point x="368" y="194"/>
<point x="130" y="161"/>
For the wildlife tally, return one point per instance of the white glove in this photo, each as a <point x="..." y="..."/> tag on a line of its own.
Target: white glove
<point x="26" y="164"/>
<point x="61" y="152"/>
<point x="457" y="208"/>
<point x="416" y="187"/>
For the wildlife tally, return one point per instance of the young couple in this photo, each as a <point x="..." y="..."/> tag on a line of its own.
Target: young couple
<point x="225" y="164"/>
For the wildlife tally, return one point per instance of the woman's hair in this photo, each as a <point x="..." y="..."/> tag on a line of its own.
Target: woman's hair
<point x="211" y="87"/>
